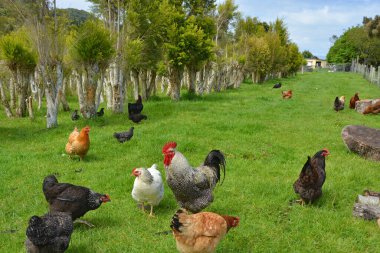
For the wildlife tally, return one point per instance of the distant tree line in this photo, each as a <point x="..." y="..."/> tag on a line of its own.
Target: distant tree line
<point x="361" y="42"/>
<point x="135" y="46"/>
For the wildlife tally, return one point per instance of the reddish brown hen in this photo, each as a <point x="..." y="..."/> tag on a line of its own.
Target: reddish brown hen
<point x="79" y="142"/>
<point x="353" y="100"/>
<point x="286" y="94"/>
<point x="200" y="232"/>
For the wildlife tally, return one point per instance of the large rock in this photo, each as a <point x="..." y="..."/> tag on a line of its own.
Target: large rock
<point x="362" y="104"/>
<point x="362" y="140"/>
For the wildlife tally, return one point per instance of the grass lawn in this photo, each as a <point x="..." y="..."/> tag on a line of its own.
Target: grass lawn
<point x="266" y="141"/>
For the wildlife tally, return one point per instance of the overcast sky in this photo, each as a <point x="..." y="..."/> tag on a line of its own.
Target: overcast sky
<point x="310" y="22"/>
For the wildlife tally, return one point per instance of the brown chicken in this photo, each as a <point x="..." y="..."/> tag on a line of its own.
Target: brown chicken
<point x="353" y="100"/>
<point x="375" y="108"/>
<point x="312" y="177"/>
<point x="201" y="232"/>
<point x="286" y="94"/>
<point x="79" y="142"/>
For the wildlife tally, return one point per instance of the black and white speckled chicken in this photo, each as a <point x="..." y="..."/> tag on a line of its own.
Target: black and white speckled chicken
<point x="75" y="115"/>
<point x="49" y="233"/>
<point x="192" y="187"/>
<point x="124" y="136"/>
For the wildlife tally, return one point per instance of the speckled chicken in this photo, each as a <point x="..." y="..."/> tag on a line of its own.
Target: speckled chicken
<point x="312" y="177"/>
<point x="49" y="234"/>
<point x="192" y="187"/>
<point x="200" y="232"/>
<point x="148" y="187"/>
<point x="339" y="103"/>
<point x="124" y="136"/>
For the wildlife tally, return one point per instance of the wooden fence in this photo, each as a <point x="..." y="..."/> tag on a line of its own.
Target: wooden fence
<point x="369" y="72"/>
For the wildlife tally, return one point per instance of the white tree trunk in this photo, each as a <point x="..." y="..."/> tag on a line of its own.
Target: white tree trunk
<point x="5" y="102"/>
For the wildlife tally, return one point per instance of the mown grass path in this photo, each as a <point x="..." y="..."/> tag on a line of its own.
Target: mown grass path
<point x="266" y="141"/>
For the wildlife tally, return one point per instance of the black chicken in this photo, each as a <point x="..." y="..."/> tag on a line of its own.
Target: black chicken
<point x="135" y="108"/>
<point x="49" y="234"/>
<point x="124" y="136"/>
<point x="100" y="113"/>
<point x="75" y="115"/>
<point x="277" y="85"/>
<point x="136" y="118"/>
<point x="72" y="199"/>
<point x="312" y="177"/>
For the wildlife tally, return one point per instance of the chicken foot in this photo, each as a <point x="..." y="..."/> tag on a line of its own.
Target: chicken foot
<point x="85" y="222"/>
<point x="301" y="202"/>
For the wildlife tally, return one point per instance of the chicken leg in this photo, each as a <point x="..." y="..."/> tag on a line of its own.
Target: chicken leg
<point x="85" y="222"/>
<point x="152" y="215"/>
<point x="301" y="202"/>
<point x="378" y="222"/>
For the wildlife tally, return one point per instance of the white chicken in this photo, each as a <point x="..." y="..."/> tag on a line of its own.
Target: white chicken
<point x="148" y="187"/>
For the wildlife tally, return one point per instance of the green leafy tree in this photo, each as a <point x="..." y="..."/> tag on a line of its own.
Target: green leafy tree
<point x="21" y="59"/>
<point x="93" y="49"/>
<point x="307" y="54"/>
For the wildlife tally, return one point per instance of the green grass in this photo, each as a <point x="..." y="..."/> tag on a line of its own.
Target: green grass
<point x="266" y="141"/>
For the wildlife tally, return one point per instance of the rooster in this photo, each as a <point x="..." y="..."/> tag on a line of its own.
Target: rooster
<point x="50" y="233"/>
<point x="192" y="187"/>
<point x="353" y="100"/>
<point x="124" y="136"/>
<point x="148" y="187"/>
<point x="287" y="94"/>
<point x="339" y="103"/>
<point x="135" y="108"/>
<point x="312" y="177"/>
<point x="79" y="142"/>
<point x="200" y="232"/>
<point x="72" y="199"/>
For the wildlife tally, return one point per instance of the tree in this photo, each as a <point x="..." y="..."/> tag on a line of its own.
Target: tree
<point x="307" y="54"/>
<point x="92" y="49"/>
<point x="20" y="58"/>
<point x="372" y="26"/>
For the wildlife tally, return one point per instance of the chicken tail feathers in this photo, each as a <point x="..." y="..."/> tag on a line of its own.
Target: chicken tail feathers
<point x="215" y="159"/>
<point x="176" y="224"/>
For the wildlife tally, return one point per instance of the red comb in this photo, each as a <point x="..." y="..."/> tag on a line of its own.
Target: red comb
<point x="169" y="145"/>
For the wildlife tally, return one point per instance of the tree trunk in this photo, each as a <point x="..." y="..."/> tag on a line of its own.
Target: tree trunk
<point x="144" y="83"/>
<point x="90" y="84"/>
<point x="29" y="102"/>
<point x="118" y="93"/>
<point x="5" y="102"/>
<point x="135" y="81"/>
<point x="152" y="83"/>
<point x="108" y="87"/>
<point x="175" y="76"/>
<point x="62" y="98"/>
<point x="12" y="92"/>
<point x="22" y="90"/>
<point x="192" y="74"/>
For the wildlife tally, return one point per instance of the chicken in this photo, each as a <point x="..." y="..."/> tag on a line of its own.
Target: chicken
<point x="75" y="115"/>
<point x="375" y="108"/>
<point x="72" y="199"/>
<point x="135" y="108"/>
<point x="124" y="136"/>
<point x="201" y="232"/>
<point x="100" y="113"/>
<point x="148" y="187"/>
<point x="136" y="118"/>
<point x="353" y="100"/>
<point x="192" y="187"/>
<point x="277" y="85"/>
<point x="287" y="94"/>
<point x="339" y="103"/>
<point x="79" y="142"/>
<point x="49" y="234"/>
<point x="312" y="177"/>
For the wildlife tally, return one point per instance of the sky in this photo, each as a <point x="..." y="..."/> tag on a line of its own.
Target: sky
<point x="310" y="23"/>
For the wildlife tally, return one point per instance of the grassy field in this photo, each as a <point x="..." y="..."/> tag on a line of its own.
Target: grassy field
<point x="266" y="141"/>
